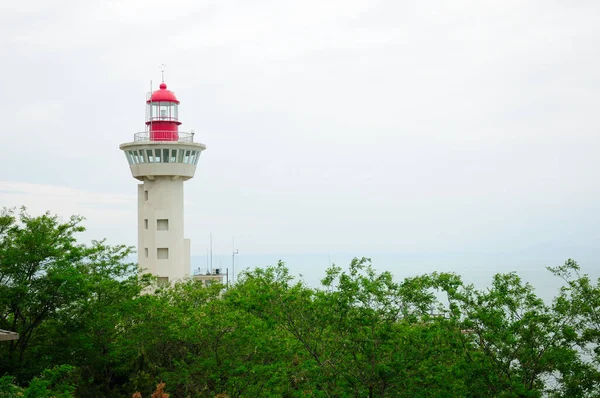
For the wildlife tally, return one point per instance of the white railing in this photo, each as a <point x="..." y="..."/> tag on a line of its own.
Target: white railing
<point x="162" y="136"/>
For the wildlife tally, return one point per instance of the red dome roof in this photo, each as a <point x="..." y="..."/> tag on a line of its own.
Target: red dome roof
<point x="163" y="95"/>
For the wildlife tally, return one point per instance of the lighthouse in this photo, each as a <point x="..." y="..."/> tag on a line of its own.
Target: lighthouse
<point x="162" y="158"/>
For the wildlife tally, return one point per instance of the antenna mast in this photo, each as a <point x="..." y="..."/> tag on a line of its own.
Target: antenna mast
<point x="149" y="108"/>
<point x="162" y="71"/>
<point x="233" y="260"/>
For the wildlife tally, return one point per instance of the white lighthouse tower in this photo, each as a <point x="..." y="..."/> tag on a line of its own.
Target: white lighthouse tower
<point x="162" y="158"/>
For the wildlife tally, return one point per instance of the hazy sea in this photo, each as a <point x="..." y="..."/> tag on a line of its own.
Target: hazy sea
<point x="476" y="268"/>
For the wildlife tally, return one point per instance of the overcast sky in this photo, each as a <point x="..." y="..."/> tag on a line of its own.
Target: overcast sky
<point x="342" y="126"/>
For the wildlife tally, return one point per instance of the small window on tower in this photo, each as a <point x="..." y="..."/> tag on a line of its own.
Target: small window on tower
<point x="165" y="155"/>
<point x="163" y="280"/>
<point x="145" y="195"/>
<point x="155" y="110"/>
<point x="180" y="157"/>
<point x="162" y="224"/>
<point x="164" y="110"/>
<point x="162" y="253"/>
<point x="173" y="155"/>
<point x="146" y="223"/>
<point x="129" y="157"/>
<point x="146" y="252"/>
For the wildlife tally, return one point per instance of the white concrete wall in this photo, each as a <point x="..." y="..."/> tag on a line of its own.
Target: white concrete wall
<point x="183" y="171"/>
<point x="143" y="170"/>
<point x="164" y="201"/>
<point x="164" y="183"/>
<point x="187" y="253"/>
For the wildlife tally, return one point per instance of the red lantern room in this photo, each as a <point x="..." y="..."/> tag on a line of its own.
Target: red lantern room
<point x="162" y="115"/>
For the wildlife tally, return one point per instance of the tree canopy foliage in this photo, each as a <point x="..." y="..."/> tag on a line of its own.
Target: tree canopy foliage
<point x="88" y="328"/>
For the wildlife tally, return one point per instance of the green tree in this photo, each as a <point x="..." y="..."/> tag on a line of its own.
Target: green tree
<point x="198" y="342"/>
<point x="65" y="299"/>
<point x="362" y="334"/>
<point x="93" y="332"/>
<point x="384" y="338"/>
<point x="57" y="382"/>
<point x="514" y="343"/>
<point x="87" y="330"/>
<point x="579" y="304"/>
<point x="38" y="278"/>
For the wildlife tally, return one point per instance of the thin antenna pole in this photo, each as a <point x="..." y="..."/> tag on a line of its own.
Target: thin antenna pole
<point x="211" y="253"/>
<point x="162" y="71"/>
<point x="150" y="108"/>
<point x="234" y="252"/>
